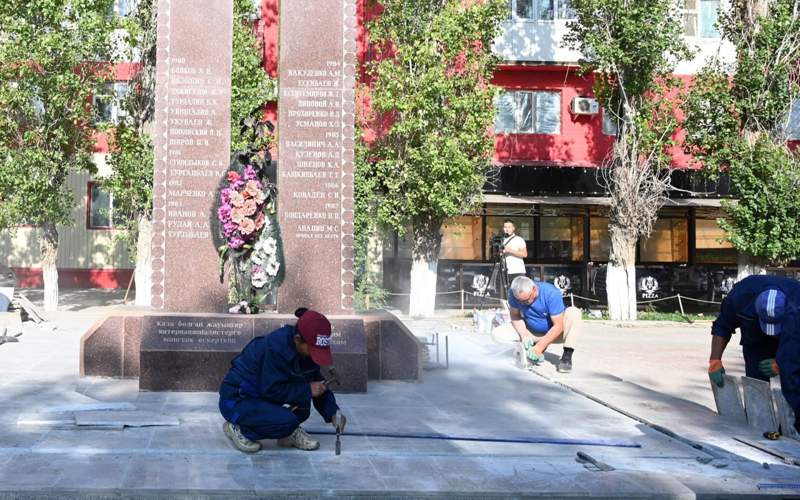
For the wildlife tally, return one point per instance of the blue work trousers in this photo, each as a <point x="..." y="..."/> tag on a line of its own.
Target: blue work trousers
<point x="259" y="419"/>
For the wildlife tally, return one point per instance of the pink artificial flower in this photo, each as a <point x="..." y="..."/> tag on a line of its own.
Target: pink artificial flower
<point x="224" y="213"/>
<point x="235" y="243"/>
<point x="247" y="226"/>
<point x="233" y="176"/>
<point x="249" y="207"/>
<point x="229" y="228"/>
<point x="225" y="196"/>
<point x="238" y="215"/>
<point x="260" y="220"/>
<point x="237" y="185"/>
<point x="237" y="200"/>
<point x="259" y="197"/>
<point x="253" y="188"/>
<point x="250" y="173"/>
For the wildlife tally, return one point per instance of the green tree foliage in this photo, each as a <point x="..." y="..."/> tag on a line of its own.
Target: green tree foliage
<point x="430" y="84"/>
<point x="131" y="157"/>
<point x="52" y="60"/>
<point x="46" y="84"/>
<point x="251" y="86"/>
<point x="736" y="118"/>
<point x="631" y="48"/>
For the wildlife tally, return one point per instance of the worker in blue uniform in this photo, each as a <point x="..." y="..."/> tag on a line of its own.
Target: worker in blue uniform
<point x="764" y="308"/>
<point x="272" y="383"/>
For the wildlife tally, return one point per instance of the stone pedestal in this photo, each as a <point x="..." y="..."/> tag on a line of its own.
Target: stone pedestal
<point x="192" y="352"/>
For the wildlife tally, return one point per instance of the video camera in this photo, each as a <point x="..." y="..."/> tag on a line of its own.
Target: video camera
<point x="496" y="245"/>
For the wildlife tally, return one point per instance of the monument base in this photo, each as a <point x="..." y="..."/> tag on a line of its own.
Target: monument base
<point x="192" y="352"/>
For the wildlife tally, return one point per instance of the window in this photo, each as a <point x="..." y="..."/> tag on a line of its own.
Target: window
<point x="527" y="112"/>
<point x="669" y="242"/>
<point x="108" y="103"/>
<point x="124" y="7"/>
<point x="600" y="243"/>
<point x="610" y="126"/>
<point x="793" y="132"/>
<point x="541" y="10"/>
<point x="100" y="211"/>
<point x="461" y="239"/>
<point x="700" y="18"/>
<point x="710" y="245"/>
<point x="561" y="239"/>
<point x="523" y="228"/>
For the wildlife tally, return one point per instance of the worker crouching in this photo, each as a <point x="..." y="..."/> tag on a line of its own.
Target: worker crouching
<point x="272" y="383"/>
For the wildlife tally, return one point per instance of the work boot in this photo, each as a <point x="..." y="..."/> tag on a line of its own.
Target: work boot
<point x="565" y="365"/>
<point x="300" y="440"/>
<point x="238" y="439"/>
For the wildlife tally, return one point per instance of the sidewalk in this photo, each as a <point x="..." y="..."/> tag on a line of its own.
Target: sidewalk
<point x="657" y="373"/>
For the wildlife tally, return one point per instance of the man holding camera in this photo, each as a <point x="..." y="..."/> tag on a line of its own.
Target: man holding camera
<point x="513" y="249"/>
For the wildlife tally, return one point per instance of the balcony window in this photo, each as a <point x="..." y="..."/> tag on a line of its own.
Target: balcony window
<point x="610" y="126"/>
<point x="541" y="10"/>
<point x="700" y="18"/>
<point x="108" y="103"/>
<point x="100" y="212"/>
<point x="793" y="132"/>
<point x="526" y="112"/>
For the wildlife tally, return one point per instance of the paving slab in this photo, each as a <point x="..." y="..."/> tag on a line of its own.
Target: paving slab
<point x="786" y="417"/>
<point x="728" y="399"/>
<point x="758" y="405"/>
<point x="123" y="419"/>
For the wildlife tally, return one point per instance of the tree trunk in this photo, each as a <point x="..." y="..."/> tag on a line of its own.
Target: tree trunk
<point x="374" y="264"/>
<point x="48" y="248"/>
<point x="621" y="275"/>
<point x="425" y="254"/>
<point x="747" y="265"/>
<point x="144" y="260"/>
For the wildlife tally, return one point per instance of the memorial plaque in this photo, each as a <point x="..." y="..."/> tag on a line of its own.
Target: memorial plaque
<point x="316" y="140"/>
<point x="190" y="352"/>
<point x="192" y="150"/>
<point x="197" y="333"/>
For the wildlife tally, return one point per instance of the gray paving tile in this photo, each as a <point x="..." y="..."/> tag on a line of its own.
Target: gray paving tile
<point x="93" y="441"/>
<point x="12" y="436"/>
<point x="191" y="436"/>
<point x="91" y="472"/>
<point x="346" y="473"/>
<point x="30" y="471"/>
<point x="190" y="472"/>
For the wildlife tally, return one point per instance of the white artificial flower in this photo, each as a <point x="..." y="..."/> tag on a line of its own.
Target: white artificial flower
<point x="271" y="246"/>
<point x="272" y="268"/>
<point x="259" y="279"/>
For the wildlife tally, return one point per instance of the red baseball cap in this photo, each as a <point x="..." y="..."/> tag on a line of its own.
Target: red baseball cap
<point x="316" y="331"/>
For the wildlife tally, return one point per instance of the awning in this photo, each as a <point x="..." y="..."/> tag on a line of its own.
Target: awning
<point x="502" y="199"/>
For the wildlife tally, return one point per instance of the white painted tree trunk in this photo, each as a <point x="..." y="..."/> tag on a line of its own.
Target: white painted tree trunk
<point x="422" y="301"/>
<point x="144" y="261"/>
<point x="748" y="266"/>
<point x="374" y="262"/>
<point x="621" y="290"/>
<point x="621" y="276"/>
<point x="48" y="247"/>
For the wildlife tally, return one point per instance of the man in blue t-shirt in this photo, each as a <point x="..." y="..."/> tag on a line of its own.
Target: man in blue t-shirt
<point x="539" y="318"/>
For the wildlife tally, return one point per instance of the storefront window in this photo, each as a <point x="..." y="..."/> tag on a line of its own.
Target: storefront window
<point x="523" y="225"/>
<point x="669" y="242"/>
<point x="461" y="239"/>
<point x="600" y="243"/>
<point x="561" y="239"/>
<point x="711" y="247"/>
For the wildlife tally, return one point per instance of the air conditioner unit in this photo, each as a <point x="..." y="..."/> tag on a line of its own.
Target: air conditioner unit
<point x="584" y="106"/>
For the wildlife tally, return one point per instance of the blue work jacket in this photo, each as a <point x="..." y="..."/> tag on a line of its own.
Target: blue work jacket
<point x="738" y="311"/>
<point x="270" y="368"/>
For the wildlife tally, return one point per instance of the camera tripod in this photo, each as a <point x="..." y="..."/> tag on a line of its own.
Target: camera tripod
<point x="499" y="268"/>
